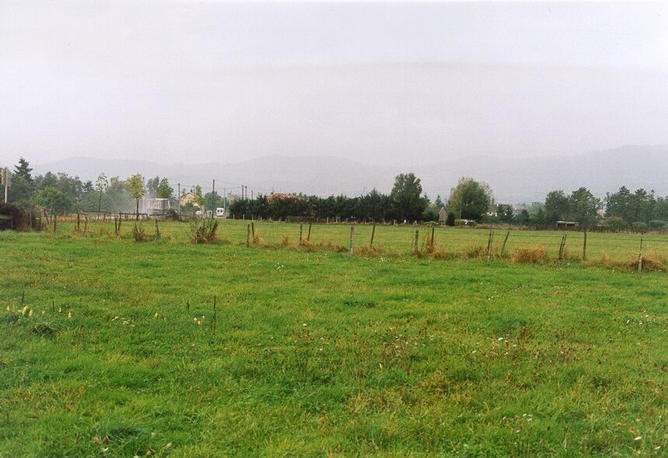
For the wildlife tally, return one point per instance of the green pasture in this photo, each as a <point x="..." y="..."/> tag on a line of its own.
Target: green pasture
<point x="109" y="347"/>
<point x="400" y="239"/>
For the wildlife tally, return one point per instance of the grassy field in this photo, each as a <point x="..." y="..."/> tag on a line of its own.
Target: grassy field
<point x="113" y="349"/>
<point x="399" y="240"/>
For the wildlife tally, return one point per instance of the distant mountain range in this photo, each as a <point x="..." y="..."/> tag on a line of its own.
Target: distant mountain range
<point x="512" y="180"/>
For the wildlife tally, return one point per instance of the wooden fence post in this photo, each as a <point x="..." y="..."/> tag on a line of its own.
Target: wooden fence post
<point x="85" y="224"/>
<point x="562" y="246"/>
<point x="373" y="234"/>
<point x="640" y="256"/>
<point x="253" y="230"/>
<point x="352" y="229"/>
<point x="584" y="247"/>
<point x="78" y="222"/>
<point x="215" y="317"/>
<point x="415" y="242"/>
<point x="308" y="237"/>
<point x="432" y="238"/>
<point x="489" y="245"/>
<point x="505" y="239"/>
<point x="247" y="235"/>
<point x="300" y="234"/>
<point x="157" y="229"/>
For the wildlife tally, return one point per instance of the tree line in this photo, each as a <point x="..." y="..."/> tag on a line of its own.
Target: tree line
<point x="469" y="200"/>
<point x="61" y="193"/>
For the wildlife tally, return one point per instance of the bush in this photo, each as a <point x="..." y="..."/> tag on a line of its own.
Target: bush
<point x="172" y="215"/>
<point x="615" y="223"/>
<point x="203" y="230"/>
<point x="639" y="226"/>
<point x="658" y="224"/>
<point x="450" y="220"/>
<point x="139" y="233"/>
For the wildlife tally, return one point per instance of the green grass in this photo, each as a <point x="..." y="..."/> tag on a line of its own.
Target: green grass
<point x="399" y="240"/>
<point x="319" y="352"/>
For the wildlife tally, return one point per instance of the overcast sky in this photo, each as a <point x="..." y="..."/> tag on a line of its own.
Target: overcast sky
<point x="202" y="81"/>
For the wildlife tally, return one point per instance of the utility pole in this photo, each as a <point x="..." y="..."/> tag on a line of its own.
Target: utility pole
<point x="213" y="196"/>
<point x="225" y="201"/>
<point x="6" y="177"/>
<point x="178" y="197"/>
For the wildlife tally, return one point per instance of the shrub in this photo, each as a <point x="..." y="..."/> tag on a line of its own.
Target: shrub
<point x="651" y="262"/>
<point x="615" y="223"/>
<point x="450" y="220"/>
<point x="139" y="233"/>
<point x="639" y="226"/>
<point x="658" y="224"/>
<point x="203" y="230"/>
<point x="536" y="255"/>
<point x="172" y="215"/>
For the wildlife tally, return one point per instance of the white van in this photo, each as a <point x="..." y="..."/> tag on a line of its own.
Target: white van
<point x="220" y="212"/>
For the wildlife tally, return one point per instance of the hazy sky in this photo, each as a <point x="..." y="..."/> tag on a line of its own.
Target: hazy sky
<point x="202" y="81"/>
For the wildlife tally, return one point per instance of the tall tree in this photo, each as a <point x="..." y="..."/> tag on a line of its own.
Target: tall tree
<point x="556" y="206"/>
<point x="101" y="185"/>
<point x="406" y="197"/>
<point x="53" y="199"/>
<point x="163" y="190"/>
<point x="23" y="185"/>
<point x="470" y="199"/>
<point x="619" y="204"/>
<point x="152" y="185"/>
<point x="583" y="207"/>
<point x="137" y="189"/>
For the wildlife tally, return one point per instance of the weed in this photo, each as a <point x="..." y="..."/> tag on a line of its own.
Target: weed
<point x="474" y="251"/>
<point x="536" y="255"/>
<point x="139" y="233"/>
<point x="204" y="230"/>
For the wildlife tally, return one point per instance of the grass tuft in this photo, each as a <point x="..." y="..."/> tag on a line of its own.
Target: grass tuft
<point x="139" y="233"/>
<point x="204" y="231"/>
<point x="536" y="255"/>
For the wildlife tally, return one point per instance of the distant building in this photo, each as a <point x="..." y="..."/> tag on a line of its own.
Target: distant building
<point x="188" y="198"/>
<point x="155" y="206"/>
<point x="567" y="224"/>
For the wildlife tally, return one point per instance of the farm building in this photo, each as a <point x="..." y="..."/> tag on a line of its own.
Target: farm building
<point x="155" y="206"/>
<point x="567" y="224"/>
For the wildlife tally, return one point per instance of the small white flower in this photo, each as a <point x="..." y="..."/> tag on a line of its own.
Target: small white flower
<point x="638" y="438"/>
